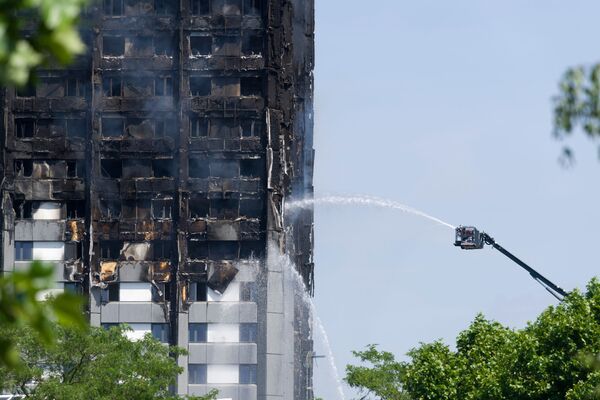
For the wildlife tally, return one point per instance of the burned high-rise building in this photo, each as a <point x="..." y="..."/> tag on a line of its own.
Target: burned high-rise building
<point x="154" y="172"/>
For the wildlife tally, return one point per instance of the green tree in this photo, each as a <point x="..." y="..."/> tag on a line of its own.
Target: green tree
<point x="20" y="306"/>
<point x="577" y="105"/>
<point x="52" y="36"/>
<point x="92" y="364"/>
<point x="555" y="357"/>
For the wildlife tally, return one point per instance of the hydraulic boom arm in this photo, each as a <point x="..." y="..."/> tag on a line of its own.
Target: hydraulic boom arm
<point x="470" y="238"/>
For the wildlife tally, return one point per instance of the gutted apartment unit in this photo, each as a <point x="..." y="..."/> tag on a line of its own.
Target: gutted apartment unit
<point x="154" y="171"/>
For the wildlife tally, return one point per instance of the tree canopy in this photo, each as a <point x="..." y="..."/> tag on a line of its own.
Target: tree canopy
<point x="52" y="36"/>
<point x="577" y="105"/>
<point x="554" y="357"/>
<point x="91" y="364"/>
<point x="20" y="306"/>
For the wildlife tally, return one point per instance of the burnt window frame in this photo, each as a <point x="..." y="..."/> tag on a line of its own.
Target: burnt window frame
<point x="250" y="128"/>
<point x="77" y="126"/>
<point x="75" y="87"/>
<point x="106" y="43"/>
<point x="203" y="86"/>
<point x="112" y="86"/>
<point x="205" y="45"/>
<point x="166" y="8"/>
<point x="163" y="86"/>
<point x="252" y="7"/>
<point x="201" y="208"/>
<point x="27" y="90"/>
<point x="113" y="8"/>
<point x="198" y="292"/>
<point x="199" y="126"/>
<point x="201" y="165"/>
<point x="251" y="86"/>
<point x="163" y="168"/>
<point x="224" y="208"/>
<point x="165" y="288"/>
<point x="116" y="163"/>
<point x="21" y="132"/>
<point x="225" y="168"/>
<point x="25" y="166"/>
<point x="110" y="250"/>
<point x="161" y="208"/>
<point x="251" y="168"/>
<point x="104" y="120"/>
<point x="200" y="249"/>
<point x="75" y="169"/>
<point x="75" y="209"/>
<point x="252" y="44"/>
<point x="200" y="7"/>
<point x="164" y="45"/>
<point x="23" y="209"/>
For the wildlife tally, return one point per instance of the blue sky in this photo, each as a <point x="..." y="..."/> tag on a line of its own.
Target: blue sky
<point x="446" y="107"/>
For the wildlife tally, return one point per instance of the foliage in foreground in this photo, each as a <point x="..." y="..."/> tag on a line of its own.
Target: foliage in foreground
<point x="19" y="307"/>
<point x="578" y="105"/>
<point x="555" y="357"/>
<point x="92" y="364"/>
<point x="53" y="39"/>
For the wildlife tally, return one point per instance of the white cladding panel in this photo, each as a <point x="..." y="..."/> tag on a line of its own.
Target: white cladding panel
<point x="138" y="332"/>
<point x="47" y="210"/>
<point x="135" y="291"/>
<point x="49" y="251"/>
<point x="232" y="293"/>
<point x="223" y="333"/>
<point x="222" y="374"/>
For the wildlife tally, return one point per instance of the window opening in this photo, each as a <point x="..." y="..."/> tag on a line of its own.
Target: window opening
<point x="197" y="374"/>
<point x="113" y="46"/>
<point x="200" y="86"/>
<point x="198" y="291"/>
<point x="251" y="86"/>
<point x="201" y="45"/>
<point x="112" y="127"/>
<point x="24" y="127"/>
<point x="160" y="332"/>
<point x="200" y="7"/>
<point x="198" y="168"/>
<point x="252" y="45"/>
<point x="112" y="86"/>
<point x="163" y="86"/>
<point x="199" y="127"/>
<point x="111" y="168"/>
<point x="113" y="7"/>
<point x="197" y="333"/>
<point x="248" y="374"/>
<point x="23" y="250"/>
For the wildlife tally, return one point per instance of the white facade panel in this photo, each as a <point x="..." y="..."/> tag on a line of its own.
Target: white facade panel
<point x="138" y="331"/>
<point x="135" y="291"/>
<point x="49" y="251"/>
<point x="223" y="333"/>
<point x="47" y="210"/>
<point x="232" y="293"/>
<point x="222" y="374"/>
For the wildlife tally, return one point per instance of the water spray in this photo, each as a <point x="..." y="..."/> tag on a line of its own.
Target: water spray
<point x="470" y="238"/>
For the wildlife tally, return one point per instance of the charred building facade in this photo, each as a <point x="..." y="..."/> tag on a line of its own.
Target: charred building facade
<point x="153" y="173"/>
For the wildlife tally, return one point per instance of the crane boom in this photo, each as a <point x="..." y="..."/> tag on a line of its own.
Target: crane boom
<point x="469" y="238"/>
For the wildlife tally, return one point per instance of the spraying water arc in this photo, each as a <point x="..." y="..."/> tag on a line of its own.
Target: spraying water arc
<point x="366" y="201"/>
